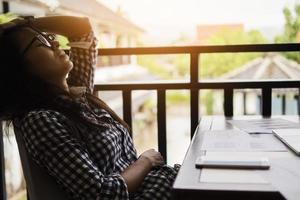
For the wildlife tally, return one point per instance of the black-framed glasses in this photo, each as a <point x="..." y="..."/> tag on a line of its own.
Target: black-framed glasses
<point x="44" y="38"/>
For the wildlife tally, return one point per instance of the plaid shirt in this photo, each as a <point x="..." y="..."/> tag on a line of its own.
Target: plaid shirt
<point x="88" y="168"/>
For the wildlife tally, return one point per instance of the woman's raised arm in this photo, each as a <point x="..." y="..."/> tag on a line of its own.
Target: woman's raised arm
<point x="82" y="42"/>
<point x="68" y="26"/>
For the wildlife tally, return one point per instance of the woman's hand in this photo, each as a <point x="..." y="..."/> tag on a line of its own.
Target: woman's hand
<point x="154" y="157"/>
<point x="137" y="171"/>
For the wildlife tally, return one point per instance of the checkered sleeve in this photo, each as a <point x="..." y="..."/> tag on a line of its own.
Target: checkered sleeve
<point x="49" y="141"/>
<point x="84" y="57"/>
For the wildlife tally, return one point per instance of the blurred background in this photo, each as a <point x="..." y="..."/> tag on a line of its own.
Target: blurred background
<point x="143" y="23"/>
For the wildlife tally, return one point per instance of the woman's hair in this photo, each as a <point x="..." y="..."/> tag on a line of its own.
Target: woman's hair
<point x="23" y="92"/>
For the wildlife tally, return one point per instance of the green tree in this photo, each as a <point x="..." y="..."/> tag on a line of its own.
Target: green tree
<point x="291" y="30"/>
<point x="211" y="65"/>
<point x="155" y="66"/>
<point x="216" y="64"/>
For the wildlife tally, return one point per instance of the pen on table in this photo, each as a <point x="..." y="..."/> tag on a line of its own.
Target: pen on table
<point x="260" y="132"/>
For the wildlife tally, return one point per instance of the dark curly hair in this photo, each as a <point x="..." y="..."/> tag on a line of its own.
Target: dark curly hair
<point x="23" y="92"/>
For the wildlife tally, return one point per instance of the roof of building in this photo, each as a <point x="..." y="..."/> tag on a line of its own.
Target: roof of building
<point x="49" y="3"/>
<point x="100" y="12"/>
<point x="269" y="66"/>
<point x="91" y="8"/>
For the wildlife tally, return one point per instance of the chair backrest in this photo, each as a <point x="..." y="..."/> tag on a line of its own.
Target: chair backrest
<point x="40" y="185"/>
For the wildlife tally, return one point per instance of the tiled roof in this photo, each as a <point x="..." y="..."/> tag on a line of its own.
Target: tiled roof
<point x="270" y="66"/>
<point x="91" y="8"/>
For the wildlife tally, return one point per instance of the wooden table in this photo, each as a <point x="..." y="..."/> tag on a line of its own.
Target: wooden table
<point x="283" y="175"/>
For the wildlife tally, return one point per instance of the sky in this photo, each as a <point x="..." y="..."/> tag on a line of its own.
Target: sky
<point x="167" y="19"/>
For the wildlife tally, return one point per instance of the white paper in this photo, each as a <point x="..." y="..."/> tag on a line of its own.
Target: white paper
<point x="240" y="141"/>
<point x="253" y="154"/>
<point x="263" y="125"/>
<point x="231" y="176"/>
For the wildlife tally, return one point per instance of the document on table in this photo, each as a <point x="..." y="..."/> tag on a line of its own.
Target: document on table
<point x="242" y="176"/>
<point x="231" y="176"/>
<point x="263" y="125"/>
<point x="234" y="140"/>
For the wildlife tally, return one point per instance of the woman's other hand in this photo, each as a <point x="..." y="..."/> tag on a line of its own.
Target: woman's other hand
<point x="153" y="156"/>
<point x="137" y="171"/>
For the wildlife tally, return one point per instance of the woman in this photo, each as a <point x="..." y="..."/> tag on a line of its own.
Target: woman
<point x="74" y="135"/>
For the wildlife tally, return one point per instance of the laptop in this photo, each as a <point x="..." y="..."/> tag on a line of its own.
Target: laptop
<point x="290" y="137"/>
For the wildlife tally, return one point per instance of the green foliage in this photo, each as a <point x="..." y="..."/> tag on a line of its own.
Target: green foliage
<point x="228" y="36"/>
<point x="154" y="66"/>
<point x="206" y="97"/>
<point x="212" y="65"/>
<point x="177" y="97"/>
<point x="181" y="64"/>
<point x="6" y="17"/>
<point x="216" y="64"/>
<point x="291" y="30"/>
<point x="63" y="41"/>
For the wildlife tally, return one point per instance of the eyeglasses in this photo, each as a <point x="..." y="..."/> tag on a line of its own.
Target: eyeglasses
<point x="43" y="38"/>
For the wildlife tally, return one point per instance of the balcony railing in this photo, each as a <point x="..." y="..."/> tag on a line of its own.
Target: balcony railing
<point x="193" y="85"/>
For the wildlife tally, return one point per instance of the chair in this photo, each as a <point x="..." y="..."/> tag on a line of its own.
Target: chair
<point x="40" y="185"/>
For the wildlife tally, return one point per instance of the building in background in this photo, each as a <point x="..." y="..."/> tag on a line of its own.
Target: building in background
<point x="204" y="32"/>
<point x="271" y="66"/>
<point x="116" y="30"/>
<point x="113" y="29"/>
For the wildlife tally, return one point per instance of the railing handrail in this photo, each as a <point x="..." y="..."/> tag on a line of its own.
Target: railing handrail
<point x="176" y="85"/>
<point x="280" y="47"/>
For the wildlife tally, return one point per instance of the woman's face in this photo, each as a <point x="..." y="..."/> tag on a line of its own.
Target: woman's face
<point x="49" y="63"/>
